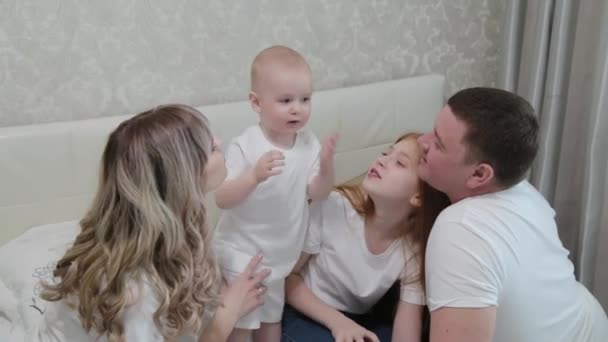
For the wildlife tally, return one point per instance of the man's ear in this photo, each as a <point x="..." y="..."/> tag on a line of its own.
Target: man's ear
<point x="255" y="102"/>
<point x="482" y="175"/>
<point x="416" y="200"/>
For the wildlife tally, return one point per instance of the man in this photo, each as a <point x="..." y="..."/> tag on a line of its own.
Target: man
<point x="496" y="269"/>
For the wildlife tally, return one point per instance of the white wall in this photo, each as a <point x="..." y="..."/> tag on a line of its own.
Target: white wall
<point x="66" y="59"/>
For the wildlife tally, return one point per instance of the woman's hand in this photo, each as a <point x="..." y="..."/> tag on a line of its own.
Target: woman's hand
<point x="346" y="330"/>
<point x="240" y="297"/>
<point x="245" y="293"/>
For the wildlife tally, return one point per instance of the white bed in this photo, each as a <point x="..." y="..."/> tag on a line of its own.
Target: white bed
<point x="48" y="173"/>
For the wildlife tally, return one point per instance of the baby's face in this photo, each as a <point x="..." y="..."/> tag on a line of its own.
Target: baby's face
<point x="284" y="99"/>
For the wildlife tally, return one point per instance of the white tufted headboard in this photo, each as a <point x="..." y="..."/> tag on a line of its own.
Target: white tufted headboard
<point x="48" y="172"/>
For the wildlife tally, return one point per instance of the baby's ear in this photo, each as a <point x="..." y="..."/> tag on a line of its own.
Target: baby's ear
<point x="255" y="102"/>
<point x="416" y="200"/>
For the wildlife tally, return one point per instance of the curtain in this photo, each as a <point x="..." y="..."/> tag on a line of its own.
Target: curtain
<point x="555" y="54"/>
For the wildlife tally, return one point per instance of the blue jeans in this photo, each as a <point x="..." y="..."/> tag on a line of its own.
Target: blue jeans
<point x="299" y="328"/>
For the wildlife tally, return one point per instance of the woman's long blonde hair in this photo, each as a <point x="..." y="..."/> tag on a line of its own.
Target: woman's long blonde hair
<point x="417" y="227"/>
<point x="147" y="223"/>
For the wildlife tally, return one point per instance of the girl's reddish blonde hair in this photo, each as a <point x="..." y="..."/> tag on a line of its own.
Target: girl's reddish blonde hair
<point x="417" y="227"/>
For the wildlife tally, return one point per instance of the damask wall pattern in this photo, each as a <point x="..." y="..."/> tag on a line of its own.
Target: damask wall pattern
<point x="66" y="59"/>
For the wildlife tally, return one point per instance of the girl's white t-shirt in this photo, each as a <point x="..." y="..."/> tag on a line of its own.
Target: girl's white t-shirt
<point x="343" y="272"/>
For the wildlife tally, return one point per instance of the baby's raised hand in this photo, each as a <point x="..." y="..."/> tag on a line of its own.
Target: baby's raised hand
<point x="328" y="150"/>
<point x="269" y="164"/>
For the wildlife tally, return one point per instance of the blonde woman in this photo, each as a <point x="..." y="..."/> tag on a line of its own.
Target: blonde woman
<point x="141" y="268"/>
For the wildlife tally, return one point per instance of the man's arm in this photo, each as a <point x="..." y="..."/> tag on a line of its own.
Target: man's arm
<point x="463" y="324"/>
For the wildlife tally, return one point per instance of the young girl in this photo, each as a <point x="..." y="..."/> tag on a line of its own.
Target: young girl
<point x="361" y="240"/>
<point x="141" y="268"/>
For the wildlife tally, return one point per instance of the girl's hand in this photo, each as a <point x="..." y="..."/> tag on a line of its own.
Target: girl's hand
<point x="346" y="330"/>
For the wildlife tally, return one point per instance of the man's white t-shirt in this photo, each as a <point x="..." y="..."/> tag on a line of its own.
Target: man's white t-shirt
<point x="502" y="249"/>
<point x="343" y="273"/>
<point x="273" y="218"/>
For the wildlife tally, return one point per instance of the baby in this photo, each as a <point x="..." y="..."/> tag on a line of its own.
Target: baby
<point x="274" y="169"/>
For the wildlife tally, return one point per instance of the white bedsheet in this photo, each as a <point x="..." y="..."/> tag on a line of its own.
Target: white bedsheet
<point x="25" y="262"/>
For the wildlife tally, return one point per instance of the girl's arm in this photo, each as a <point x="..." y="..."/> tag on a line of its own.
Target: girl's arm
<point x="298" y="295"/>
<point x="304" y="257"/>
<point x="302" y="299"/>
<point x="407" y="326"/>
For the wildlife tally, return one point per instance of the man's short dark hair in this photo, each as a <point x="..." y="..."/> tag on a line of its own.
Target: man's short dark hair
<point x="502" y="130"/>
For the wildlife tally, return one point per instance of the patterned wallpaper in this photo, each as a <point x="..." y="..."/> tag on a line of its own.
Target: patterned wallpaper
<point x="67" y="59"/>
